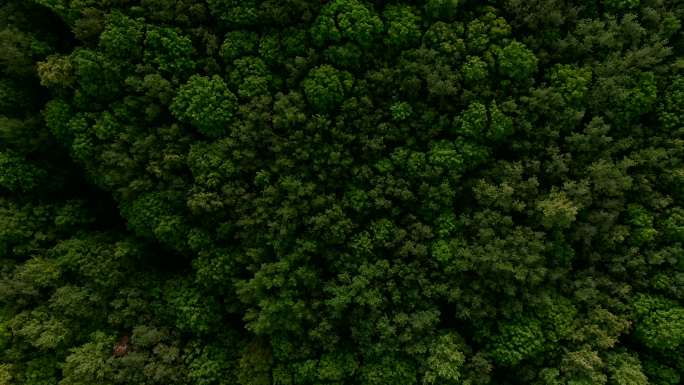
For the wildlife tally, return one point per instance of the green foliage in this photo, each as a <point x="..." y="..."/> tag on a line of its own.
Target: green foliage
<point x="346" y="20"/>
<point x="122" y="36"/>
<point x="474" y="69"/>
<point x="571" y="82"/>
<point x="660" y="324"/>
<point x="487" y="126"/>
<point x="557" y="210"/>
<point x="622" y="4"/>
<point x="88" y="362"/>
<point x="516" y="341"/>
<point x="401" y="111"/>
<point x="18" y="174"/>
<point x="445" y="361"/>
<point x="239" y="43"/>
<point x="670" y="111"/>
<point x="442" y="9"/>
<point x="388" y="370"/>
<point x="342" y="192"/>
<point x="325" y="87"/>
<point x="56" y="71"/>
<point x="194" y="311"/>
<point x="234" y="13"/>
<point x="403" y="26"/>
<point x="206" y="103"/>
<point x="516" y="61"/>
<point x="625" y="369"/>
<point x="168" y="50"/>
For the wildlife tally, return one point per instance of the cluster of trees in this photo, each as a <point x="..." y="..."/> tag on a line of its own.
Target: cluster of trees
<point x="380" y="192"/>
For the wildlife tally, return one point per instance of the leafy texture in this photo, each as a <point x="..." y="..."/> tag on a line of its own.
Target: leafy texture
<point x="295" y="192"/>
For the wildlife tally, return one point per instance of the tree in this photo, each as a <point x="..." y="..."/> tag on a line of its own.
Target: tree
<point x="516" y="61"/>
<point x="341" y="192"/>
<point x="325" y="87"/>
<point x="346" y="20"/>
<point x="206" y="103"/>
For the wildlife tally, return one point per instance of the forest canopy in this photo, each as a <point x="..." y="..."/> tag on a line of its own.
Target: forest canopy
<point x="341" y="192"/>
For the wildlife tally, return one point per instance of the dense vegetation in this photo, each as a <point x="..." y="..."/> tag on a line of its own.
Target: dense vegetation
<point x="379" y="192"/>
